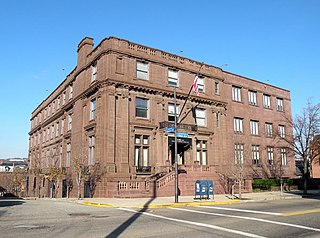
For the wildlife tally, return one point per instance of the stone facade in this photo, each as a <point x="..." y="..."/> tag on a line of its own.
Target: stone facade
<point x="110" y="117"/>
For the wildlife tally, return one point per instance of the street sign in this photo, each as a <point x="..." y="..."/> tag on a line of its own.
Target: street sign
<point x="182" y="134"/>
<point x="169" y="129"/>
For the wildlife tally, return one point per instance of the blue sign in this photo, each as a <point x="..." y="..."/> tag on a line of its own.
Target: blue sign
<point x="182" y="134"/>
<point x="169" y="129"/>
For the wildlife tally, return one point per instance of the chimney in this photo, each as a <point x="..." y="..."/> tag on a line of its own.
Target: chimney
<point x="84" y="48"/>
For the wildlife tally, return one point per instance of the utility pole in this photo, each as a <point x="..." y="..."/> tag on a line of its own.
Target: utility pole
<point x="176" y="196"/>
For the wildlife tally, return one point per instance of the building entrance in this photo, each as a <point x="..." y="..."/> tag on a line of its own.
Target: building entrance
<point x="183" y="144"/>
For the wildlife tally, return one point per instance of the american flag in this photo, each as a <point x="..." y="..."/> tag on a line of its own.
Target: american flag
<point x="195" y="85"/>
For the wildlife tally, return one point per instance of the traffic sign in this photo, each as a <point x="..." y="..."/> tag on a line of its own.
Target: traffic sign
<point x="182" y="134"/>
<point x="169" y="129"/>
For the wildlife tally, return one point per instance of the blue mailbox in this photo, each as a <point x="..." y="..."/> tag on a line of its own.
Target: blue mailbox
<point x="204" y="188"/>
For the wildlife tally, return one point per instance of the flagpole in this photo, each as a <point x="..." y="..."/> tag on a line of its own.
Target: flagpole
<point x="184" y="104"/>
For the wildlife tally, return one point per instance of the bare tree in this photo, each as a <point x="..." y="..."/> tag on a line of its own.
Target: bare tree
<point x="79" y="170"/>
<point x="54" y="173"/>
<point x="37" y="169"/>
<point x="17" y="179"/>
<point x="305" y="127"/>
<point x="95" y="174"/>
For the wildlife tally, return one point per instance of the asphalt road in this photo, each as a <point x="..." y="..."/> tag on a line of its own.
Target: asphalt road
<point x="51" y="218"/>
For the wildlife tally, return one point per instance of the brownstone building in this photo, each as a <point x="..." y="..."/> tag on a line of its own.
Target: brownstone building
<point x="110" y="116"/>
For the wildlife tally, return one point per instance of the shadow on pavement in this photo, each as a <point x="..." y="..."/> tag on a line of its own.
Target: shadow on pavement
<point x="311" y="194"/>
<point x="134" y="217"/>
<point x="8" y="202"/>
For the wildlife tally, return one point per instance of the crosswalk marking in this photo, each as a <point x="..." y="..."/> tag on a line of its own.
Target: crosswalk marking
<point x="250" y="218"/>
<point x="243" y="210"/>
<point x="196" y="224"/>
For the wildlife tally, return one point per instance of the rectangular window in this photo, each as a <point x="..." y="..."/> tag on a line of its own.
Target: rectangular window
<point x="92" y="142"/>
<point x="237" y="125"/>
<point x="270" y="155"/>
<point x="200" y="84"/>
<point x="141" y="152"/>
<point x="60" y="157"/>
<point x="64" y="98"/>
<point x="202" y="152"/>
<point x="216" y="88"/>
<point x="68" y="155"/>
<point x="70" y="92"/>
<point x="94" y="72"/>
<point x="48" y="133"/>
<point x="171" y="112"/>
<point x="173" y="77"/>
<point x="252" y="96"/>
<point x="142" y="70"/>
<point x="39" y="138"/>
<point x="69" y="121"/>
<point x="255" y="154"/>
<point x="283" y="154"/>
<point x="268" y="129"/>
<point x="62" y="126"/>
<point x="200" y="116"/>
<point x="218" y="119"/>
<point x="282" y="133"/>
<point x="280" y="104"/>
<point x="93" y="107"/>
<point x="266" y="101"/>
<point x="236" y="94"/>
<point x="57" y="129"/>
<point x="53" y="107"/>
<point x="142" y="106"/>
<point x="44" y="136"/>
<point x="58" y="103"/>
<point x="254" y="127"/>
<point x="52" y="131"/>
<point x="238" y="153"/>
<point x="49" y="110"/>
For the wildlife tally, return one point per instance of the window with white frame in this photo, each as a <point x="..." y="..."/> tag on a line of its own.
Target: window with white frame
<point x="142" y="70"/>
<point x="60" y="156"/>
<point x="49" y="110"/>
<point x="281" y="129"/>
<point x="254" y="127"/>
<point x="70" y="91"/>
<point x="93" y="107"/>
<point x="218" y="119"/>
<point x="202" y="152"/>
<point x="91" y="148"/>
<point x="237" y="125"/>
<point x="48" y="133"/>
<point x="173" y="78"/>
<point x="279" y="104"/>
<point x="268" y="129"/>
<point x="252" y="96"/>
<point x="94" y="72"/>
<point x="64" y="98"/>
<point x="255" y="154"/>
<point x="62" y="126"/>
<point x="283" y="155"/>
<point x="69" y="121"/>
<point x="58" y="103"/>
<point x="171" y="112"/>
<point x="142" y="106"/>
<point x="216" y="88"/>
<point x="57" y="129"/>
<point x="44" y="136"/>
<point x="141" y="150"/>
<point x="266" y="101"/>
<point x="68" y="155"/>
<point x="238" y="154"/>
<point x="53" y="106"/>
<point x="200" y="116"/>
<point x="270" y="156"/>
<point x="200" y="84"/>
<point x="236" y="94"/>
<point x="52" y="131"/>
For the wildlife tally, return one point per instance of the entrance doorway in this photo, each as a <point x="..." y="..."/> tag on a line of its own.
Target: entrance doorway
<point x="183" y="144"/>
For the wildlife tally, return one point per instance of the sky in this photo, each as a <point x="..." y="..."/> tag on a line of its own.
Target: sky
<point x="272" y="41"/>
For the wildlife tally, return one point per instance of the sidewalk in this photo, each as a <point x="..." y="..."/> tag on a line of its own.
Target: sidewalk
<point x="162" y="202"/>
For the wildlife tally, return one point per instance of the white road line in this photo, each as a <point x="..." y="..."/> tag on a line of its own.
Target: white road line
<point x="197" y="224"/>
<point x="243" y="210"/>
<point x="250" y="218"/>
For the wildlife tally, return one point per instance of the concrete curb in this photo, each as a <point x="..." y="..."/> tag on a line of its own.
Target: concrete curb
<point x="182" y="204"/>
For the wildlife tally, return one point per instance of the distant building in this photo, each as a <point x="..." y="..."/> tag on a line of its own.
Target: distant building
<point x="114" y="110"/>
<point x="7" y="165"/>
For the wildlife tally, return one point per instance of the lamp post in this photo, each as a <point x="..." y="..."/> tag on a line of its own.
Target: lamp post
<point x="176" y="196"/>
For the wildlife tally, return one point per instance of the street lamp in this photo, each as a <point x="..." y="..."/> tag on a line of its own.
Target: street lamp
<point x="176" y="195"/>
